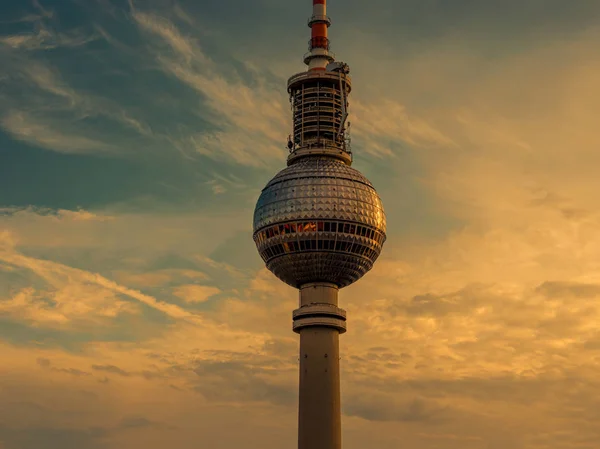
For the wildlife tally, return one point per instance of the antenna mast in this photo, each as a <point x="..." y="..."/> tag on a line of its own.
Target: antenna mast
<point x="319" y="97"/>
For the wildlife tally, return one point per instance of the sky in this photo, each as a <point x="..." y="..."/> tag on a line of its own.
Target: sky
<point x="135" y="137"/>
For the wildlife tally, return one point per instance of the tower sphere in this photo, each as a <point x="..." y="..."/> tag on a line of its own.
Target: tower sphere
<point x="319" y="220"/>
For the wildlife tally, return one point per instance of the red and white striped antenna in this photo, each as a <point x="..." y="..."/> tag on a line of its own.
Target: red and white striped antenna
<point x="319" y="55"/>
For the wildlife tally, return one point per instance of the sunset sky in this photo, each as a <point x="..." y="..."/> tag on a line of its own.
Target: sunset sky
<point x="135" y="138"/>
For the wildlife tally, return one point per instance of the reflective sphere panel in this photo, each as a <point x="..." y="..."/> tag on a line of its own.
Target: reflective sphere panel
<point x="319" y="220"/>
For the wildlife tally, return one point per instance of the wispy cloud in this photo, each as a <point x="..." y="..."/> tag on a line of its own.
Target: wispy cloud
<point x="43" y="110"/>
<point x="83" y="104"/>
<point x="249" y="120"/>
<point x="48" y="134"/>
<point x="59" y="275"/>
<point x="73" y="304"/>
<point x="382" y="124"/>
<point x="44" y="38"/>
<point x="221" y="183"/>
<point x="52" y="231"/>
<point x="169" y="33"/>
<point x="192" y="293"/>
<point x="159" y="278"/>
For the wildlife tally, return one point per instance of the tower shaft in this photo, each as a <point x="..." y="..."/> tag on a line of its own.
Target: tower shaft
<point x="319" y="413"/>
<point x="319" y="225"/>
<point x="319" y="322"/>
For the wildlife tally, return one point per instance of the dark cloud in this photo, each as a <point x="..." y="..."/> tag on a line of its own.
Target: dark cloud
<point x="381" y="407"/>
<point x="71" y="438"/>
<point x="45" y="363"/>
<point x="593" y="344"/>
<point x="568" y="289"/>
<point x="147" y="374"/>
<point x="458" y="302"/>
<point x="139" y="422"/>
<point x="437" y="404"/>
<point x="244" y="380"/>
<point x="49" y="438"/>
<point x="521" y="391"/>
<point x="73" y="371"/>
<point x="111" y="369"/>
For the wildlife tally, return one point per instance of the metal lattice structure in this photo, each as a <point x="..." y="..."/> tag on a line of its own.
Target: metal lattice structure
<point x="319" y="108"/>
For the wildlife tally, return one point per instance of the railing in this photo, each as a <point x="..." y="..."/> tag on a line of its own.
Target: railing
<point x="321" y="102"/>
<point x="319" y="309"/>
<point x="334" y="323"/>
<point x="319" y="142"/>
<point x="320" y="108"/>
<point x="328" y="86"/>
<point x="322" y="127"/>
<point x="308" y="56"/>
<point x="334" y="76"/>
<point x="322" y="92"/>
<point x="316" y="19"/>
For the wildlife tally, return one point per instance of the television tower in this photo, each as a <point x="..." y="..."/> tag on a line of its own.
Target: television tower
<point x="319" y="225"/>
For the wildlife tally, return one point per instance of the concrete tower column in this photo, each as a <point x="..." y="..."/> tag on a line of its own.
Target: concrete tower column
<point x="319" y="322"/>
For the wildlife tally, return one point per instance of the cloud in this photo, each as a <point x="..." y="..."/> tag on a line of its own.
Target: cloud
<point x="49" y="13"/>
<point x="49" y="401"/>
<point x="81" y="215"/>
<point x="124" y="231"/>
<point x="111" y="369"/>
<point x="49" y="80"/>
<point x="386" y="408"/>
<point x="139" y="422"/>
<point x="556" y="290"/>
<point x="44" y="111"/>
<point x="158" y="278"/>
<point x="51" y="438"/>
<point x="248" y="119"/>
<point x="505" y="156"/>
<point x="75" y="293"/>
<point x="45" y="363"/>
<point x="222" y="183"/>
<point x="170" y="34"/>
<point x="36" y="131"/>
<point x="243" y="379"/>
<point x="58" y="307"/>
<point x="44" y="38"/>
<point x="192" y="293"/>
<point x="380" y="125"/>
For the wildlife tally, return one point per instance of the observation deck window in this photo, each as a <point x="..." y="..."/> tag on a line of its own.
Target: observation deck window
<point x="356" y="249"/>
<point x="319" y="227"/>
